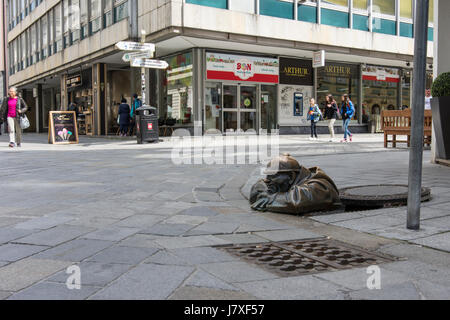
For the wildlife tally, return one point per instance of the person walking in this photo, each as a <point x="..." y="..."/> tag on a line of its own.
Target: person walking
<point x="347" y="112"/>
<point x="136" y="104"/>
<point x="124" y="117"/>
<point x="428" y="98"/>
<point x="12" y="108"/>
<point x="314" y="115"/>
<point x="331" y="114"/>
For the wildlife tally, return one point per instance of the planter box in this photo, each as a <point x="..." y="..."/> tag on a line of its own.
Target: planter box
<point x="441" y="120"/>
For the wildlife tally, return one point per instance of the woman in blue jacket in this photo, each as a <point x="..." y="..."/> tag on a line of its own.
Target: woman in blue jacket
<point x="124" y="117"/>
<point x="314" y="115"/>
<point x="347" y="112"/>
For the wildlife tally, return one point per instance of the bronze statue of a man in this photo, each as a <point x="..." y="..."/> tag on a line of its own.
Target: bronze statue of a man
<point x="292" y="188"/>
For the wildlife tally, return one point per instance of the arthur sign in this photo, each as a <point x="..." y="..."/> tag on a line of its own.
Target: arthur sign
<point x="242" y="68"/>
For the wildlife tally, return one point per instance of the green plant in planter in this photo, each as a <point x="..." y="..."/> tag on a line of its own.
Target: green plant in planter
<point x="441" y="86"/>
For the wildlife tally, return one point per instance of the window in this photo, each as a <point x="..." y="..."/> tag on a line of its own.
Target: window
<point x="120" y="10"/>
<point x="44" y="35"/>
<point x="343" y="3"/>
<point x="360" y="4"/>
<point x="107" y="16"/>
<point x="33" y="41"/>
<point x="66" y="23"/>
<point x="384" y="7"/>
<point x="58" y="28"/>
<point x="51" y="33"/>
<point x="74" y="20"/>
<point x="96" y="12"/>
<point x="84" y="19"/>
<point x="23" y="50"/>
<point x="406" y="9"/>
<point x="431" y="13"/>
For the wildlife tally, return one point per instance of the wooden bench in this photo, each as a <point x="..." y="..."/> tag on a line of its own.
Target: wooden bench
<point x="398" y="123"/>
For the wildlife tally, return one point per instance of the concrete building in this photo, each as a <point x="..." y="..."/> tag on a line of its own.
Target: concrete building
<point x="3" y="55"/>
<point x="234" y="65"/>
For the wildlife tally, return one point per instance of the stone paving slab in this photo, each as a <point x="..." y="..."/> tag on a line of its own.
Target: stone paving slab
<point x="164" y="257"/>
<point x="190" y="242"/>
<point x="214" y="228"/>
<point x="54" y="236"/>
<point x="140" y="241"/>
<point x="11" y="234"/>
<point x="54" y="291"/>
<point x="194" y="294"/>
<point x="202" y="255"/>
<point x="242" y="238"/>
<point x="9" y="221"/>
<point x="24" y="273"/>
<point x="200" y="212"/>
<point x="146" y="282"/>
<point x="141" y="221"/>
<point x="439" y="241"/>
<point x="288" y="235"/>
<point x="75" y="250"/>
<point x="168" y="229"/>
<point x="123" y="255"/>
<point x="94" y="274"/>
<point x="206" y="280"/>
<point x="401" y="291"/>
<point x="293" y="288"/>
<point x="402" y="233"/>
<point x="420" y="270"/>
<point x="237" y="271"/>
<point x="111" y="234"/>
<point x="14" y="252"/>
<point x="186" y="219"/>
<point x="44" y="223"/>
<point x="4" y="295"/>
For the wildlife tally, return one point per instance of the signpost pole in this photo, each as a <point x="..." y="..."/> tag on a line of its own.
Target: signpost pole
<point x="417" y="115"/>
<point x="143" y="72"/>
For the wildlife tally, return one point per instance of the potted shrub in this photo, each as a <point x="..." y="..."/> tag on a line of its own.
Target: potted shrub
<point x="440" y="106"/>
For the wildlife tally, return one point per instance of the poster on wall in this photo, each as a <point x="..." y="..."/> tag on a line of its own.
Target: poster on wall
<point x="221" y="66"/>
<point x="63" y="128"/>
<point x="374" y="73"/>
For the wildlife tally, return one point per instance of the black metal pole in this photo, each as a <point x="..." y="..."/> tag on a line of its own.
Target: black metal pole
<point x="417" y="114"/>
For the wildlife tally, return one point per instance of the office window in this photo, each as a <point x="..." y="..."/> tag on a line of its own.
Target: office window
<point x="431" y="13"/>
<point x="343" y="3"/>
<point x="360" y="4"/>
<point x="23" y="50"/>
<point x="84" y="19"/>
<point x="44" y="35"/>
<point x="66" y="35"/>
<point x="406" y="9"/>
<point x="120" y="10"/>
<point x="108" y="15"/>
<point x="384" y="7"/>
<point x="74" y="20"/>
<point x="33" y="41"/>
<point x="96" y="12"/>
<point x="51" y="33"/>
<point x="58" y="28"/>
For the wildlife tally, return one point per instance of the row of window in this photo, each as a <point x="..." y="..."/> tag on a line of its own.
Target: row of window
<point x="394" y="17"/>
<point x="65" y="24"/>
<point x="19" y="9"/>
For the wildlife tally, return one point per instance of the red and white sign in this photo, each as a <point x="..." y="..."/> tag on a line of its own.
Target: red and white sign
<point x="374" y="73"/>
<point x="150" y="126"/>
<point x="242" y="68"/>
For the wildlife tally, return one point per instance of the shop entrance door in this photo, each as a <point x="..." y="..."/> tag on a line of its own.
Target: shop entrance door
<point x="239" y="108"/>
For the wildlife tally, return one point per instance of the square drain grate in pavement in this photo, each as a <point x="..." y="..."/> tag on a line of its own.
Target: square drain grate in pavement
<point x="294" y="258"/>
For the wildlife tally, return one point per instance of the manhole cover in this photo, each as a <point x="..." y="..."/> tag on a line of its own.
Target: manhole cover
<point x="379" y="196"/>
<point x="294" y="258"/>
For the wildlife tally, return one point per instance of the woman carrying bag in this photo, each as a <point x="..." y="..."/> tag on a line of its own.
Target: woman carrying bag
<point x="13" y="110"/>
<point x="331" y="114"/>
<point x="314" y="115"/>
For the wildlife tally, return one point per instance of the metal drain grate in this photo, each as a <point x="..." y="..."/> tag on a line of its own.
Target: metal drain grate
<point x="294" y="258"/>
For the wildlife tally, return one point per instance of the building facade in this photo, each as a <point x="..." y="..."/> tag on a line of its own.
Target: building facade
<point x="3" y="51"/>
<point x="234" y="65"/>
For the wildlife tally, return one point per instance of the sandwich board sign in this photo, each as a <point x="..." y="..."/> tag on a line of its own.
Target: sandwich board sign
<point x="63" y="128"/>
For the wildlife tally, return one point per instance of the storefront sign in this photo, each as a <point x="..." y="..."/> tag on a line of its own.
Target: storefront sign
<point x="63" y="128"/>
<point x="73" y="81"/>
<point x="319" y="59"/>
<point x="374" y="73"/>
<point x="295" y="71"/>
<point x="339" y="70"/>
<point x="242" y="68"/>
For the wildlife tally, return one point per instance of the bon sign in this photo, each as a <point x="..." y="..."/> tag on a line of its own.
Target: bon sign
<point x="242" y="68"/>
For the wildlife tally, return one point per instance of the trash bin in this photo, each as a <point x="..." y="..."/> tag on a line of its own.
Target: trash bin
<point x="147" y="125"/>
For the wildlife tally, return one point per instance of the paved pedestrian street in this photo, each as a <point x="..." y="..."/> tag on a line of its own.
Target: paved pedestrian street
<point x="140" y="226"/>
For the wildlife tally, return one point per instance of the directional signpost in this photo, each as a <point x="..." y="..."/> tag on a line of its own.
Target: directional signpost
<point x="139" y="56"/>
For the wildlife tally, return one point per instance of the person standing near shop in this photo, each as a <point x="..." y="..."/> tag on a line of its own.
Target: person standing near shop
<point x="314" y="115"/>
<point x="13" y="107"/>
<point x="124" y="117"/>
<point x="347" y="112"/>
<point x="331" y="114"/>
<point x="428" y="98"/>
<point x="135" y="104"/>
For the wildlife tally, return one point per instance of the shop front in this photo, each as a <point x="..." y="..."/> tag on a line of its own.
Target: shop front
<point x="240" y="93"/>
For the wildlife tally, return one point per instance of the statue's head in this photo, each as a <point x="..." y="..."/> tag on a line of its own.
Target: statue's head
<point x="281" y="173"/>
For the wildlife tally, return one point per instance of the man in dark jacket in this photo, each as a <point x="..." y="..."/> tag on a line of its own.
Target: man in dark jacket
<point x="124" y="117"/>
<point x="292" y="188"/>
<point x="12" y="108"/>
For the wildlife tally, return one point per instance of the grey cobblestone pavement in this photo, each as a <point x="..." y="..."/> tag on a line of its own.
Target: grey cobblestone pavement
<point x="141" y="227"/>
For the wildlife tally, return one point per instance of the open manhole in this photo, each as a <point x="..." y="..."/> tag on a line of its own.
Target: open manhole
<point x="295" y="258"/>
<point x="378" y="196"/>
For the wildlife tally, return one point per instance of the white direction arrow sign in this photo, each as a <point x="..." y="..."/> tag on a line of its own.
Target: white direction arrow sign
<point x="147" y="63"/>
<point x="135" y="46"/>
<point x="127" y="57"/>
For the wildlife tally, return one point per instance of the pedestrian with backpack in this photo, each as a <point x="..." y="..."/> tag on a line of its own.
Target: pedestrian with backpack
<point x="331" y="114"/>
<point x="347" y="112"/>
<point x="314" y="115"/>
<point x="136" y="104"/>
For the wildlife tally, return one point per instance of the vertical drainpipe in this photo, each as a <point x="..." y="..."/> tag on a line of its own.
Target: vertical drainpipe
<point x="397" y="17"/>
<point x="296" y="10"/>
<point x="5" y="56"/>
<point x="350" y="14"/>
<point x="257" y="7"/>
<point x="370" y="16"/>
<point x="319" y="15"/>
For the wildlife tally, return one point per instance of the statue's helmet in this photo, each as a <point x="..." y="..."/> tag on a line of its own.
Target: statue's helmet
<point x="281" y="164"/>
